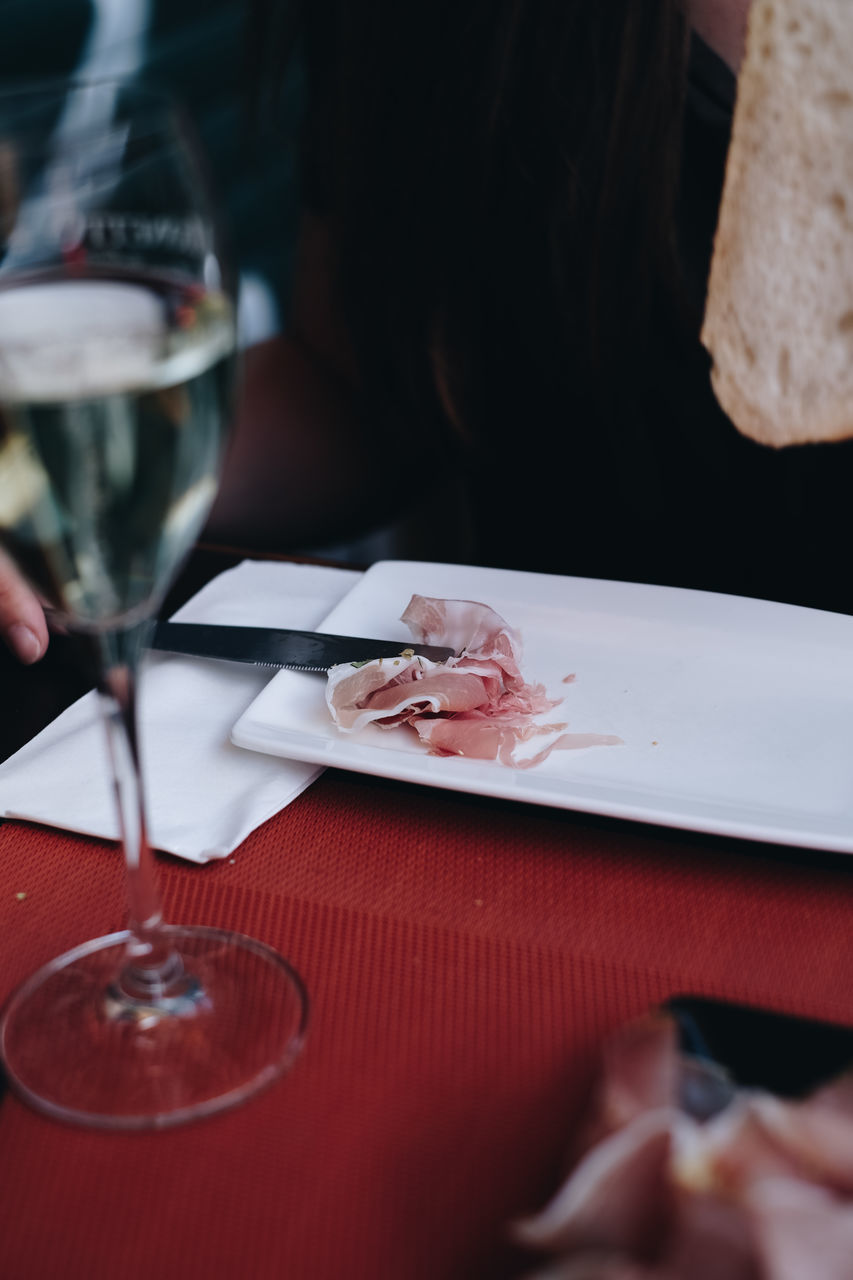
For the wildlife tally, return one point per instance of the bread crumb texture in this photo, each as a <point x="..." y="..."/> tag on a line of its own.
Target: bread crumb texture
<point x="779" y="313"/>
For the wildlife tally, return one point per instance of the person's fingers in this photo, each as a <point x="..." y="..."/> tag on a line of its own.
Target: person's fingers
<point x="22" y="620"/>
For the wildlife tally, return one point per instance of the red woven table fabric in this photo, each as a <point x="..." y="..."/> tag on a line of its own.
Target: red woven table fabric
<point x="464" y="958"/>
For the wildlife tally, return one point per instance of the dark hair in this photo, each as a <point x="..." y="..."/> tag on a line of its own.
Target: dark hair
<point x="503" y="180"/>
<point x="502" y="176"/>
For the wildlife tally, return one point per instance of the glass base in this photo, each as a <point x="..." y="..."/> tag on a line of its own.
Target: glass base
<point x="82" y="1044"/>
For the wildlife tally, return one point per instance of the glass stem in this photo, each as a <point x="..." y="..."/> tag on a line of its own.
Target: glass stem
<point x="152" y="965"/>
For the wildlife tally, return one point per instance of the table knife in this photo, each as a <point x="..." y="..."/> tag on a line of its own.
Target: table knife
<point x="293" y="650"/>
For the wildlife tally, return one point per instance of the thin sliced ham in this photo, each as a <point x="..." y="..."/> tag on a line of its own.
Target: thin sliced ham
<point x="804" y="1232"/>
<point x="477" y="704"/>
<point x="746" y="1186"/>
<point x="618" y="1198"/>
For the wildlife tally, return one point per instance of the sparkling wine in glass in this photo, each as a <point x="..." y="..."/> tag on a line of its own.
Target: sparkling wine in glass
<point x="116" y="365"/>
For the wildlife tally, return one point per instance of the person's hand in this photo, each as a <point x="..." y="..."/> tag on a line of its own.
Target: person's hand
<point x="22" y="621"/>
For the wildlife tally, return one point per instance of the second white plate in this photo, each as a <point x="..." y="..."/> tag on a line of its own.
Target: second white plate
<point x="736" y="715"/>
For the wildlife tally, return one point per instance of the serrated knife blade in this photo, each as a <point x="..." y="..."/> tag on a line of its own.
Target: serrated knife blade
<point x="291" y="650"/>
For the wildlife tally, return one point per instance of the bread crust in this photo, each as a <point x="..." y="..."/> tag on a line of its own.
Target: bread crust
<point x="779" y="311"/>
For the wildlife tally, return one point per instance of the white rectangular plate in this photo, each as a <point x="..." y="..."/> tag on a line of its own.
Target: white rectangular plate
<point x="736" y="715"/>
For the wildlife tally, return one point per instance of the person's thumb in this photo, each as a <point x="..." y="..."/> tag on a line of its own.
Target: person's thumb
<point x="22" y="620"/>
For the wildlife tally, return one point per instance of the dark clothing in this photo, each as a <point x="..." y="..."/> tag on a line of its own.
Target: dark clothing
<point x="646" y="479"/>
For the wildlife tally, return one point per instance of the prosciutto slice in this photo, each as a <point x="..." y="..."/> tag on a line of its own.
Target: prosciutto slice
<point x="678" y="1174"/>
<point x="477" y="704"/>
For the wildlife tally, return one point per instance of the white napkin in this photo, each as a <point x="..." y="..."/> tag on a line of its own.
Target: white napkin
<point x="204" y="794"/>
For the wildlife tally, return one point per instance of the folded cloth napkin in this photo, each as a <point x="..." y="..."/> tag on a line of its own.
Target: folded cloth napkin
<point x="204" y="795"/>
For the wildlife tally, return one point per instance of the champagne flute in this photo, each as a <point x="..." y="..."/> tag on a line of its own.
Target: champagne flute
<point x="116" y="361"/>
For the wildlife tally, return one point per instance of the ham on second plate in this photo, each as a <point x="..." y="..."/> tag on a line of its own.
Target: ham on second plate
<point x="678" y="1174"/>
<point x="476" y="704"/>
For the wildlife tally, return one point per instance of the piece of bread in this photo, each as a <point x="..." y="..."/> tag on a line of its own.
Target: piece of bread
<point x="779" y="313"/>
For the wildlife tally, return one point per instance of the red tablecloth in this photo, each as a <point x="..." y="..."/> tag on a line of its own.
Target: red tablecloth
<point x="464" y="958"/>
